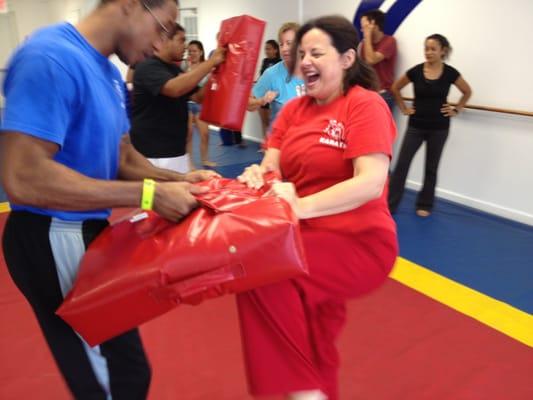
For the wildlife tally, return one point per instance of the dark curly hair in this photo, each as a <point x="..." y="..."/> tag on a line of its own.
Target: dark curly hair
<point x="343" y="36"/>
<point x="444" y="43"/>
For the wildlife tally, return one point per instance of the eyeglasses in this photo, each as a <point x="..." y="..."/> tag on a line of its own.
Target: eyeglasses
<point x="165" y="32"/>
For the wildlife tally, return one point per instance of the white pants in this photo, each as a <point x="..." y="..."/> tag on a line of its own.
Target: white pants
<point x="179" y="164"/>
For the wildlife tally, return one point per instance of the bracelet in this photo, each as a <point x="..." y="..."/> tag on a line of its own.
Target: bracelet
<point x="147" y="199"/>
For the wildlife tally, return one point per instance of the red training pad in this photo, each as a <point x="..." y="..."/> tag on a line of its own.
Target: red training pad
<point x="237" y="240"/>
<point x="228" y="88"/>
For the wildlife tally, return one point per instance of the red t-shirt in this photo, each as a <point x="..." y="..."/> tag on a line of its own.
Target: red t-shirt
<point x="385" y="68"/>
<point x="318" y="143"/>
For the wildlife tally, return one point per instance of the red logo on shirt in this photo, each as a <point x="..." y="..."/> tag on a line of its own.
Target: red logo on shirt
<point x="335" y="135"/>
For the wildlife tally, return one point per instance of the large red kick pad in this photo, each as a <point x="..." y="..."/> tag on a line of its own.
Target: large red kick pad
<point x="144" y="265"/>
<point x="229" y="86"/>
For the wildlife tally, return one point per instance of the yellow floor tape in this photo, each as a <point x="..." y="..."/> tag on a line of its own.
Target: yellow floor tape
<point x="4" y="207"/>
<point x="504" y="318"/>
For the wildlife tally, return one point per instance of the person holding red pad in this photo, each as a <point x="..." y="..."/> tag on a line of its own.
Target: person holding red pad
<point x="333" y="148"/>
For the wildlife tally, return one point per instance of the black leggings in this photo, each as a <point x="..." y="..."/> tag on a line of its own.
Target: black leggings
<point x="414" y="137"/>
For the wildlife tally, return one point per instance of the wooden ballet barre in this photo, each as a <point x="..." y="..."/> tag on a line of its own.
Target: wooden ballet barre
<point x="491" y="109"/>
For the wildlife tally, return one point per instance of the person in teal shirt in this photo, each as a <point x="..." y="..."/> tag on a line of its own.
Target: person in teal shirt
<point x="275" y="86"/>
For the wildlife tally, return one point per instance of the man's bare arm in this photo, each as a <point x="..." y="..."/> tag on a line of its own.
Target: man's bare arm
<point x="31" y="176"/>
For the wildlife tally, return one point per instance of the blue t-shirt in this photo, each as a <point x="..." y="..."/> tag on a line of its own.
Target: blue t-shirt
<point x="276" y="78"/>
<point x="61" y="89"/>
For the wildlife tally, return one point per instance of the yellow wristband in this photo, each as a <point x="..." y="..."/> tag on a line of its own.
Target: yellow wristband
<point x="147" y="200"/>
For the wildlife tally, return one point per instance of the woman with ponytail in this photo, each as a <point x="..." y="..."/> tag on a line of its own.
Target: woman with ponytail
<point x="196" y="56"/>
<point x="332" y="147"/>
<point x="429" y="119"/>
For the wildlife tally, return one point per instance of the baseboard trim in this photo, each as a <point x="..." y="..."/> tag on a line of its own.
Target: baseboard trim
<point x="481" y="205"/>
<point x="247" y="137"/>
<point x="252" y="138"/>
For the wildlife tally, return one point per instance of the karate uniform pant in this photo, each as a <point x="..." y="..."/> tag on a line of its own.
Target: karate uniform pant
<point x="289" y="329"/>
<point x="181" y="164"/>
<point x="42" y="255"/>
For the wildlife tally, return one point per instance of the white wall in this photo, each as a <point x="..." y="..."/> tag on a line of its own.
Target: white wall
<point x="8" y="36"/>
<point x="484" y="164"/>
<point x="33" y="14"/>
<point x="486" y="160"/>
<point x="25" y="16"/>
<point x="212" y="12"/>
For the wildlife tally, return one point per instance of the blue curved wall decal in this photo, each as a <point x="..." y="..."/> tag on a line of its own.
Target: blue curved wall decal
<point x="396" y="14"/>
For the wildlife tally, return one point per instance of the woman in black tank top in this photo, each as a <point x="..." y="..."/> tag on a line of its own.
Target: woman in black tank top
<point x="429" y="119"/>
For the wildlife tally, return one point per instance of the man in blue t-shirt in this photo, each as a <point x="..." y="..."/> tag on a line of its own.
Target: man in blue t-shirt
<point x="65" y="160"/>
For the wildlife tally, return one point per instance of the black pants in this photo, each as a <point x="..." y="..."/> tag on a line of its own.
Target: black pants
<point x="388" y="97"/>
<point x="29" y="254"/>
<point x="414" y="137"/>
<point x="229" y="137"/>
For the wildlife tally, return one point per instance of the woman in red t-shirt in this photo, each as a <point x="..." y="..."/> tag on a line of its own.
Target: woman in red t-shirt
<point x="333" y="148"/>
